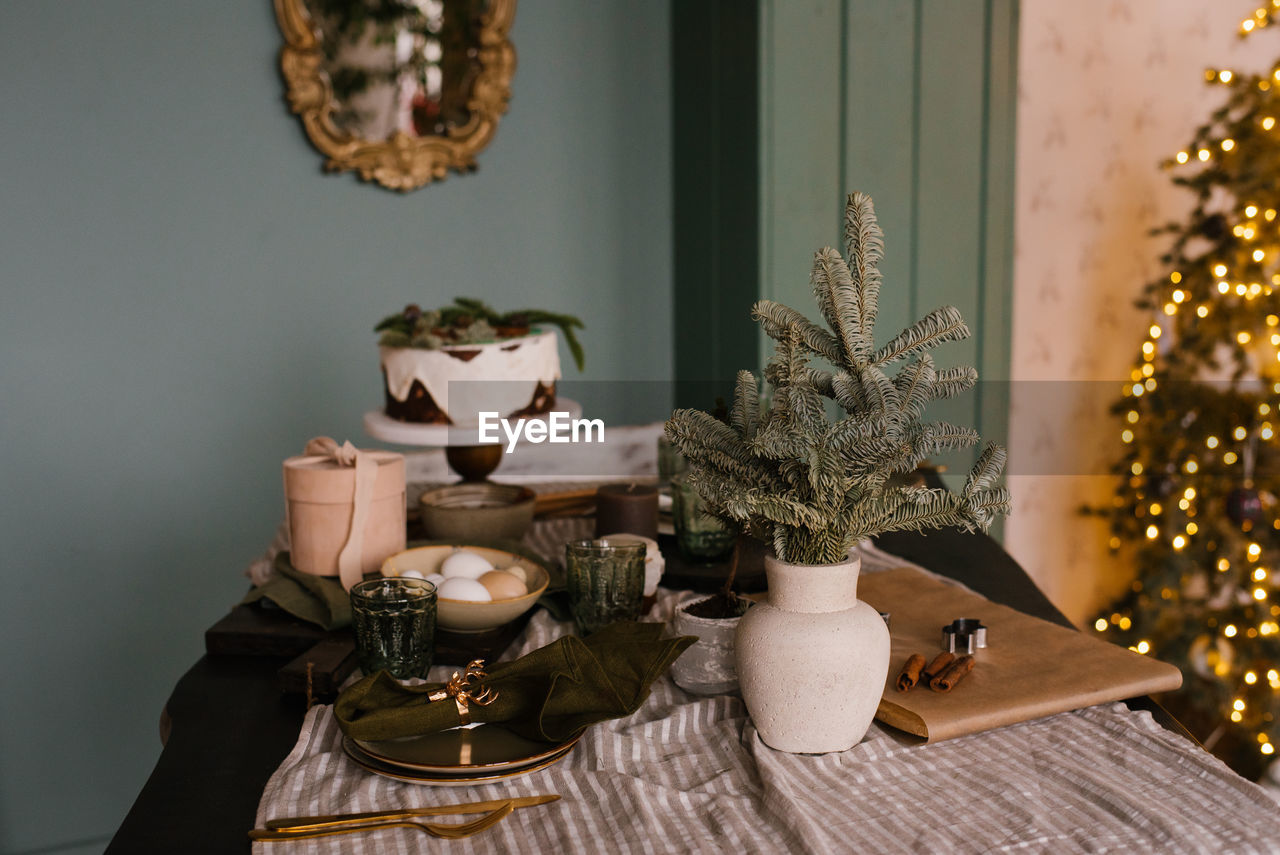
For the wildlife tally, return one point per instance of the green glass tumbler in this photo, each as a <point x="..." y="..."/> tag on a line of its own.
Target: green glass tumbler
<point x="670" y="461"/>
<point x="605" y="582"/>
<point x="700" y="536"/>
<point x="394" y="621"/>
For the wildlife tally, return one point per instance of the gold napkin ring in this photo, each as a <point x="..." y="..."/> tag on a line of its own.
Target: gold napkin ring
<point x="462" y="687"/>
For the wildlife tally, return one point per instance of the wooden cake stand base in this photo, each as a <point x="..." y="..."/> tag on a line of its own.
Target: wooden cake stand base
<point x="471" y="461"/>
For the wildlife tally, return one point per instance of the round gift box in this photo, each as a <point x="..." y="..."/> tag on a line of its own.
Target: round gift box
<point x="320" y="501"/>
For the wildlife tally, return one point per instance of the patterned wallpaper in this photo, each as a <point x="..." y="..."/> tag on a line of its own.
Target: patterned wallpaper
<point x="1107" y="90"/>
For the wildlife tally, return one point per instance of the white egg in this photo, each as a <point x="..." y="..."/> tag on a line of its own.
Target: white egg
<point x="436" y="579"/>
<point x="412" y="574"/>
<point x="468" y="565"/>
<point x="519" y="572"/>
<point x="462" y="588"/>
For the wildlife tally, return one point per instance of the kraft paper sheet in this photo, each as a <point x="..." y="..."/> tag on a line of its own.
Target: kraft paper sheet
<point x="1031" y="668"/>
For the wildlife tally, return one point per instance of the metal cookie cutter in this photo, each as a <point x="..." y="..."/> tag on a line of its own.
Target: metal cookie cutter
<point x="964" y="635"/>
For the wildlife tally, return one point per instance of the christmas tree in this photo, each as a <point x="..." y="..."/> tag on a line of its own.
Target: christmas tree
<point x="1196" y="509"/>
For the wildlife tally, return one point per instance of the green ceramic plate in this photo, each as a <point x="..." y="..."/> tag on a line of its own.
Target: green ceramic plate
<point x="431" y="779"/>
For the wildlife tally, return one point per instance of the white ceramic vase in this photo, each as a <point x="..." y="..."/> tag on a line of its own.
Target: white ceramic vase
<point x="812" y="661"/>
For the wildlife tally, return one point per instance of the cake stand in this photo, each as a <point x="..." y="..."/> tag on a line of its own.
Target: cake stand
<point x="471" y="461"/>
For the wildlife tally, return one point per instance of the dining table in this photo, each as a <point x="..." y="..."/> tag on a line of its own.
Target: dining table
<point x="229" y="733"/>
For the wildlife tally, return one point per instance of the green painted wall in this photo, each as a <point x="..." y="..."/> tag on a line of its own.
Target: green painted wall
<point x="185" y="299"/>
<point x="911" y="101"/>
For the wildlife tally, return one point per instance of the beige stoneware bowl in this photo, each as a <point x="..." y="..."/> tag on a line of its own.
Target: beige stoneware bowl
<point x="461" y="615"/>
<point x="463" y="512"/>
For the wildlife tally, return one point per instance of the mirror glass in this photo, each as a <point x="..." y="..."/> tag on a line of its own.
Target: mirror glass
<point x="406" y="67"/>
<point x="400" y="91"/>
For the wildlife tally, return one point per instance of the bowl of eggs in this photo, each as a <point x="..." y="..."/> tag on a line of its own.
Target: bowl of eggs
<point x="478" y="587"/>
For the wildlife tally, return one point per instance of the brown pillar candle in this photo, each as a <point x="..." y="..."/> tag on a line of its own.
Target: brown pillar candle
<point x="627" y="508"/>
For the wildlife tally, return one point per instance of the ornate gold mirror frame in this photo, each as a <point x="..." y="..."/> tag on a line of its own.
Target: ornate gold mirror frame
<point x="401" y="162"/>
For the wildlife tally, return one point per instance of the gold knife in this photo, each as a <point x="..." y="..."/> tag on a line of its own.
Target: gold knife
<point x="299" y="823"/>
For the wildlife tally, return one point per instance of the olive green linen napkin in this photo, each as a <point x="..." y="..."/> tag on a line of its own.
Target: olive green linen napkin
<point x="551" y="694"/>
<point x="315" y="599"/>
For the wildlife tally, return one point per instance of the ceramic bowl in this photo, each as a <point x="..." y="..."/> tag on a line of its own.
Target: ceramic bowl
<point x="464" y="616"/>
<point x="477" y="511"/>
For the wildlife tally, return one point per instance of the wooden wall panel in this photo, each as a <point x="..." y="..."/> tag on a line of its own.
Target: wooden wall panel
<point x="880" y="138"/>
<point x="800" y="143"/>
<point x="912" y="102"/>
<point x="715" y="127"/>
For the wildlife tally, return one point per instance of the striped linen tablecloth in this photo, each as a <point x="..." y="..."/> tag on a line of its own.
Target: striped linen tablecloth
<point x="690" y="774"/>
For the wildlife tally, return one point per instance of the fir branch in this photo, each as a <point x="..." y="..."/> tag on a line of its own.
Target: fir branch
<point x="953" y="381"/>
<point x="741" y="502"/>
<point x="939" y="326"/>
<point x="915" y="386"/>
<point x="811" y="487"/>
<point x="845" y="434"/>
<point x="849" y="393"/>
<point x="986" y="469"/>
<point x="745" y="415"/>
<point x="879" y="393"/>
<point x="704" y="439"/>
<point x="776" y="438"/>
<point x="983" y="506"/>
<point x="805" y="402"/>
<point x="839" y="301"/>
<point x="832" y="285"/>
<point x="821" y="380"/>
<point x="912" y="510"/>
<point x="864" y="244"/>
<point x="786" y="324"/>
<point x="780" y="541"/>
<point x="938" y="437"/>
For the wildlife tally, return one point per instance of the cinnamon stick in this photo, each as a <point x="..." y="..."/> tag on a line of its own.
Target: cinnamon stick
<point x="956" y="671"/>
<point x="938" y="665"/>
<point x="910" y="673"/>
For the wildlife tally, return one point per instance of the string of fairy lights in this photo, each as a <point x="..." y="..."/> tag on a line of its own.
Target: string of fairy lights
<point x="1233" y="287"/>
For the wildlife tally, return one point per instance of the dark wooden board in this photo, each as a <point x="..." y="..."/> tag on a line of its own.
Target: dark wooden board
<point x="319" y="672"/>
<point x="260" y="631"/>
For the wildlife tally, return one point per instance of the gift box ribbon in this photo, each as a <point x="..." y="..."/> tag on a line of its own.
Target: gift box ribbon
<point x="349" y="570"/>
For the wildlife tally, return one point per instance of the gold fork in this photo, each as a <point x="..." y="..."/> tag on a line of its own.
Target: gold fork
<point x="308" y="823"/>
<point x="435" y="829"/>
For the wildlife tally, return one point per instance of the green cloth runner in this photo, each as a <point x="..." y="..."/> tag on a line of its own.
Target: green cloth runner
<point x="316" y="599"/>
<point x="552" y="694"/>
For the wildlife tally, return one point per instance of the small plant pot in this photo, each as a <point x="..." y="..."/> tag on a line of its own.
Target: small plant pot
<point x="709" y="667"/>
